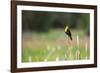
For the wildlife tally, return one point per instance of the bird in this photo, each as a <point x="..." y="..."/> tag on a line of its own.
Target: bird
<point x="68" y="32"/>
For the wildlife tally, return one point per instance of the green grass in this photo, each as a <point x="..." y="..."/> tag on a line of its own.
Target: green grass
<point x="61" y="52"/>
<point x="53" y="53"/>
<point x="51" y="35"/>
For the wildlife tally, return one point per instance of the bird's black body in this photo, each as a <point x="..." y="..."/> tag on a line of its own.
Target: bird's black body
<point x="68" y="32"/>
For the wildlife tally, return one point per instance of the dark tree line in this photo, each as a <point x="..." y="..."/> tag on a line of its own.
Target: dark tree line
<point x="43" y="21"/>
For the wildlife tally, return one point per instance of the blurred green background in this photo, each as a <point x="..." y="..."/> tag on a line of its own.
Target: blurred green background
<point x="44" y="39"/>
<point x="43" y="21"/>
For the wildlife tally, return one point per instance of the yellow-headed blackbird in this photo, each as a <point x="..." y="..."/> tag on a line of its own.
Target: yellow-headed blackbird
<point x="68" y="32"/>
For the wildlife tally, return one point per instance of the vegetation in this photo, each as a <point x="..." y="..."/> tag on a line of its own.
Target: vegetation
<point x="55" y="45"/>
<point x="42" y="21"/>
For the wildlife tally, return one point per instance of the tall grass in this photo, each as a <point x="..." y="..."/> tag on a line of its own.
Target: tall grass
<point x="55" y="46"/>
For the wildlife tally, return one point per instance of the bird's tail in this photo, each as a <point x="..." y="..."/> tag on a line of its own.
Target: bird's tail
<point x="71" y="37"/>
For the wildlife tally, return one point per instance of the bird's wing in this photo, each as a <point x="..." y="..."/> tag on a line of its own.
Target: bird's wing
<point x="69" y="33"/>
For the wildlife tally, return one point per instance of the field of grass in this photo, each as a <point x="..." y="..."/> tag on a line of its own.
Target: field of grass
<point x="55" y="46"/>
